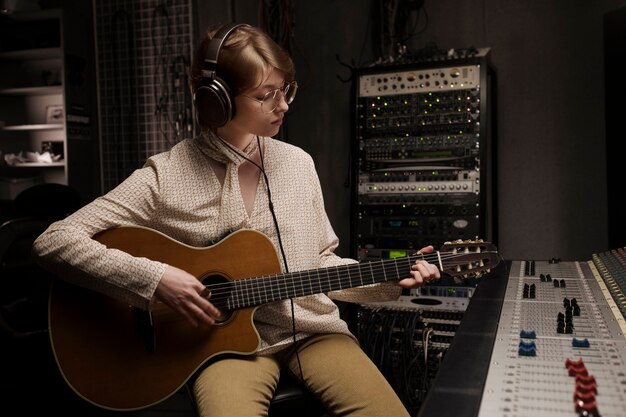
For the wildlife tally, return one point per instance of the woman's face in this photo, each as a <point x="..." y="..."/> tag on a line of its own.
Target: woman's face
<point x="250" y="118"/>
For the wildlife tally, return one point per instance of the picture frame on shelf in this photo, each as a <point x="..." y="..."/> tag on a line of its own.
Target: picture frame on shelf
<point x="55" y="114"/>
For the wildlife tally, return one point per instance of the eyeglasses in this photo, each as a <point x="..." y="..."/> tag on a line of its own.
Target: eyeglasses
<point x="272" y="98"/>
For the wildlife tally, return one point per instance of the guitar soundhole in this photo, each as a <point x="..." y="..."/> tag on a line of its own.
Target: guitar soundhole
<point x="220" y="293"/>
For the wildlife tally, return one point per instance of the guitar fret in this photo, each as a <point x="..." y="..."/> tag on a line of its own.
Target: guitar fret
<point x="376" y="275"/>
<point x="292" y="285"/>
<point x="327" y="285"/>
<point x="325" y="279"/>
<point x="305" y="280"/>
<point x="360" y="275"/>
<point x="298" y="289"/>
<point x="232" y="300"/>
<point x="330" y="285"/>
<point x="297" y="292"/>
<point x="309" y="281"/>
<point x="259" y="297"/>
<point x="242" y="300"/>
<point x="249" y="292"/>
<point x="274" y="297"/>
<point x="338" y="276"/>
<point x="395" y="263"/>
<point x="265" y="289"/>
<point x="289" y="287"/>
<point x="387" y="269"/>
<point x="319" y="281"/>
<point x="283" y="292"/>
<point x="304" y="275"/>
<point x="382" y="264"/>
<point x="244" y="293"/>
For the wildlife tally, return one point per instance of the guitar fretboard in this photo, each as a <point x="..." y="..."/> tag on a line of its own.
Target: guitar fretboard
<point x="255" y="291"/>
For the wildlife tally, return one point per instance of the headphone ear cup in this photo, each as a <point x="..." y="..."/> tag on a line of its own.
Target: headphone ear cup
<point x="214" y="104"/>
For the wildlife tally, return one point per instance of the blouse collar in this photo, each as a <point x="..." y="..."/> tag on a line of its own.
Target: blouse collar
<point x="218" y="149"/>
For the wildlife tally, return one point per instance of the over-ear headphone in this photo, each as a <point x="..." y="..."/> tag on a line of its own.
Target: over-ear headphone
<point x="213" y="98"/>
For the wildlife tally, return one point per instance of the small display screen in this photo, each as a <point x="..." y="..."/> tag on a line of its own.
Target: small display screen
<point x="402" y="223"/>
<point x="393" y="254"/>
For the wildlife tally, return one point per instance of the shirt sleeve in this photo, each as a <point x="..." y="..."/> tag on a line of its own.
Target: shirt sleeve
<point x="67" y="247"/>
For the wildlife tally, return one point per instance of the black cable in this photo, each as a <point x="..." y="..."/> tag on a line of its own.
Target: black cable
<point x="278" y="235"/>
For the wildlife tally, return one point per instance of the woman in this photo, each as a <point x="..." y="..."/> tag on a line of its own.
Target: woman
<point x="236" y="176"/>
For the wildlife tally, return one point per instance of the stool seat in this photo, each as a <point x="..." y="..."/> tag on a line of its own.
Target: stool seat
<point x="291" y="398"/>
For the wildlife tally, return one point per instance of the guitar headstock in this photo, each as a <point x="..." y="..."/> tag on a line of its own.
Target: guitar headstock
<point x="463" y="259"/>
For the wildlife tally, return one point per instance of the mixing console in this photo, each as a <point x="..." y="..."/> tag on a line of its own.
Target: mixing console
<point x="560" y="346"/>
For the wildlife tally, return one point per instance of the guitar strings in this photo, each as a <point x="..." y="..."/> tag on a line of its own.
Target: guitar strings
<point x="327" y="277"/>
<point x="375" y="265"/>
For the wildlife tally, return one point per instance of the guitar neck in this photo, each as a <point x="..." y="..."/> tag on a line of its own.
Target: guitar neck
<point x="259" y="290"/>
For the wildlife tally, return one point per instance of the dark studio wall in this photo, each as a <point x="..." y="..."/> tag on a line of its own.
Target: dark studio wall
<point x="548" y="61"/>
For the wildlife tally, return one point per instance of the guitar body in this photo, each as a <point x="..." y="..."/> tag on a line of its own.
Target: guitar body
<point x="110" y="354"/>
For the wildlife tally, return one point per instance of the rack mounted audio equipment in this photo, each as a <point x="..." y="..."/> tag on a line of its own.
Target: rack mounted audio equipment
<point x="422" y="155"/>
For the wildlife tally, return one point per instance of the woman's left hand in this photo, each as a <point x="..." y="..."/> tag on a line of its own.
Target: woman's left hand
<point x="421" y="272"/>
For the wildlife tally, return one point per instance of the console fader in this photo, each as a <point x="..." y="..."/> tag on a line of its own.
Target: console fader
<point x="560" y="346"/>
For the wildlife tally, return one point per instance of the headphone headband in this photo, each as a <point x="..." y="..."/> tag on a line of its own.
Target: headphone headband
<point x="215" y="46"/>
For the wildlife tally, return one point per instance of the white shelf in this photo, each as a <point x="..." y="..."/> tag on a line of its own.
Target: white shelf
<point x="31" y="91"/>
<point x="56" y="126"/>
<point x="32" y="54"/>
<point x="37" y="164"/>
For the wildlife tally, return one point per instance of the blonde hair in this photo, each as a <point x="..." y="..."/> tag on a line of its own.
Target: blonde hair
<point x="247" y="56"/>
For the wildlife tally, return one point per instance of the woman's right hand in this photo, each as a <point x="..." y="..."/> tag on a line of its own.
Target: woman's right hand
<point x="182" y="292"/>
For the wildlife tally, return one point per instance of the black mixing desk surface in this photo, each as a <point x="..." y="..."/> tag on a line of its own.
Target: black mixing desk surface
<point x="539" y="338"/>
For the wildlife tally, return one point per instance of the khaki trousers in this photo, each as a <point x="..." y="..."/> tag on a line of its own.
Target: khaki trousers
<point x="334" y="368"/>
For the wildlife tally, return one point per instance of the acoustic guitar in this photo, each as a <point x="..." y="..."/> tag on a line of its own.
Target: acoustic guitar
<point x="120" y="357"/>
